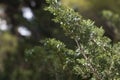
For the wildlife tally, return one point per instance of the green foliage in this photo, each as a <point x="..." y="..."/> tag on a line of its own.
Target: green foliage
<point x="95" y="55"/>
<point x="92" y="9"/>
<point x="84" y="54"/>
<point x="113" y="21"/>
<point x="9" y="41"/>
<point x="8" y="45"/>
<point x="21" y="74"/>
<point x="49" y="60"/>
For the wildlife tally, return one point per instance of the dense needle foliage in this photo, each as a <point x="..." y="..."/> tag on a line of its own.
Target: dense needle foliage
<point x="57" y="42"/>
<point x="94" y="57"/>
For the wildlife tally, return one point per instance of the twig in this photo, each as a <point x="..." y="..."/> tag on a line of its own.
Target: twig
<point x="93" y="69"/>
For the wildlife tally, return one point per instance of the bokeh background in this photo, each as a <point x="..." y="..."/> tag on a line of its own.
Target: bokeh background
<point x="23" y="23"/>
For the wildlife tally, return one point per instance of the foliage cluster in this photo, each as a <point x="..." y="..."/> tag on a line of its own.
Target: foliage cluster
<point x="94" y="57"/>
<point x="82" y="53"/>
<point x="113" y="22"/>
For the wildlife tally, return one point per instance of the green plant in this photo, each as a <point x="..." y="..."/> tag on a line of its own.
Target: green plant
<point x="94" y="57"/>
<point x="113" y="22"/>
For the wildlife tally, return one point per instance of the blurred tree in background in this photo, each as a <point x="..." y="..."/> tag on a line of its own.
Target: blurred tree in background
<point x="23" y="23"/>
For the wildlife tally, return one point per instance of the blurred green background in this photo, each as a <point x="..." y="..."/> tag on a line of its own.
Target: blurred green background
<point x="23" y="23"/>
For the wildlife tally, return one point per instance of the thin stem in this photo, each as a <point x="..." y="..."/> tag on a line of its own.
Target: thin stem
<point x="93" y="69"/>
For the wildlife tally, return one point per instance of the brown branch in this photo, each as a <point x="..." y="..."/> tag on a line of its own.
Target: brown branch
<point x="93" y="69"/>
